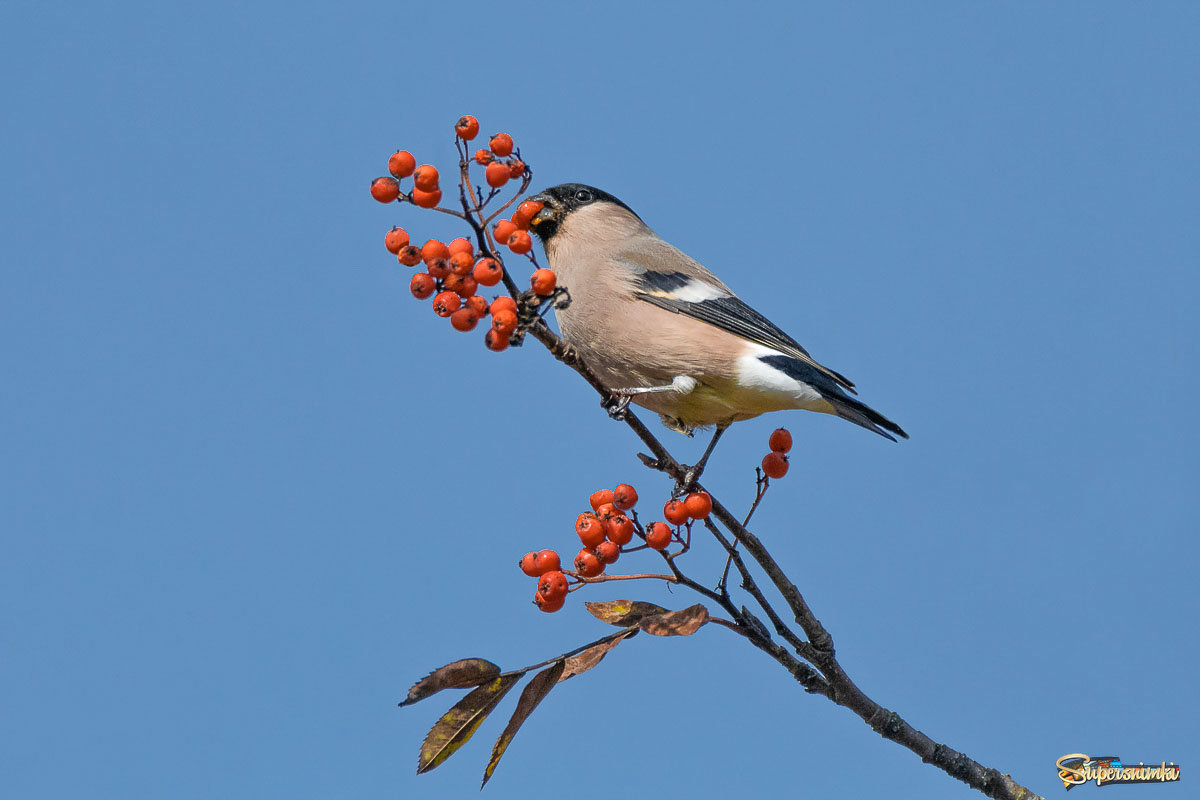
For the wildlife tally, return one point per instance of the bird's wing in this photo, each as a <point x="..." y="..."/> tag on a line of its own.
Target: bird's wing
<point x="668" y="278"/>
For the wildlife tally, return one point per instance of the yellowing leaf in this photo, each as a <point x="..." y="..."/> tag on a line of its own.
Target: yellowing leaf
<point x="459" y="724"/>
<point x="623" y="613"/>
<point x="459" y="675"/>
<point x="586" y="659"/>
<point x="675" y="623"/>
<point x="534" y="692"/>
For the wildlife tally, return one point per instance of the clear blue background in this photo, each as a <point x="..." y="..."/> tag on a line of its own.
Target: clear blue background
<point x="252" y="490"/>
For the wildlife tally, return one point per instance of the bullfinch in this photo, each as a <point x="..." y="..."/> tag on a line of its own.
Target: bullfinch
<point x="662" y="331"/>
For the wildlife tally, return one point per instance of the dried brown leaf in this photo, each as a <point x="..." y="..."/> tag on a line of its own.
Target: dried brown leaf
<point x="535" y="691"/>
<point x="623" y="613"/>
<point x="585" y="660"/>
<point x="459" y="675"/>
<point x="676" y="623"/>
<point x="459" y="724"/>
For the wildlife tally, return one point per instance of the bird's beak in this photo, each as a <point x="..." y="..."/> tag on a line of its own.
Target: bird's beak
<point x="550" y="210"/>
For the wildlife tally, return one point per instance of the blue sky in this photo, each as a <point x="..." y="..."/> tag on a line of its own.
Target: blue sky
<point x="252" y="489"/>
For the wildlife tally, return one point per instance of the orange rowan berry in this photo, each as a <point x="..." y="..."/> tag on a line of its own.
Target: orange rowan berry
<point x="483" y="157"/>
<point x="516" y="168"/>
<point x="446" y="303"/>
<point x="624" y="497"/>
<point x="608" y="552"/>
<point x="433" y="249"/>
<point x="588" y="563"/>
<point x="461" y="245"/>
<point x="495" y="341"/>
<point x="504" y="322"/>
<point x="421" y="285"/>
<point x="528" y="565"/>
<point x="426" y="199"/>
<point x="504" y="229"/>
<point x="547" y="561"/>
<point x="477" y="304"/>
<point x="462" y="263"/>
<point x="552" y="585"/>
<point x="526" y="212"/>
<point x="504" y="303"/>
<point x="600" y="498"/>
<point x="426" y="178"/>
<point x="394" y="239"/>
<point x="401" y="164"/>
<point x="463" y="286"/>
<point x="467" y="127"/>
<point x="698" y="505"/>
<point x="521" y="242"/>
<point x="501" y="144"/>
<point x="542" y="281"/>
<point x="496" y="174"/>
<point x="465" y="319"/>
<point x="658" y="535"/>
<point x="780" y="441"/>
<point x="487" y="272"/>
<point x="675" y="512"/>
<point x="385" y="190"/>
<point x="605" y="510"/>
<point x="549" y="606"/>
<point x="409" y="255"/>
<point x="619" y="529"/>
<point x="775" y="465"/>
<point x="438" y="268"/>
<point x="590" y="530"/>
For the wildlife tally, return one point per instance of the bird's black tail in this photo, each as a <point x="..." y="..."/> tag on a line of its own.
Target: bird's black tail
<point x="861" y="414"/>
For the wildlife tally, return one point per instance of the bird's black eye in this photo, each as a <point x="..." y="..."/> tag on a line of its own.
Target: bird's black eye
<point x="583" y="196"/>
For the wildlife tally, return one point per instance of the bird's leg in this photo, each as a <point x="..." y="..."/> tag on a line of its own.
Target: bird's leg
<point x="619" y="401"/>
<point x="615" y="405"/>
<point x="693" y="473"/>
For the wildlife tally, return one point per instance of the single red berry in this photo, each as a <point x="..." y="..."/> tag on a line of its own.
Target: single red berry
<point x="528" y="565"/>
<point x="504" y="322"/>
<point x="401" y="164"/>
<point x="588" y="564"/>
<point x="552" y="585"/>
<point x="385" y="190"/>
<point x="780" y="441"/>
<point x="590" y="529"/>
<point x="775" y="465"/>
<point x="504" y="303"/>
<point x="461" y="245"/>
<point x="608" y="552"/>
<point x="495" y="341"/>
<point x="547" y="561"/>
<point x="549" y="606"/>
<point x="477" y="304"/>
<point x="501" y="144"/>
<point x="605" y="510"/>
<point x="462" y="285"/>
<point x="464" y="320"/>
<point x="462" y="263"/>
<point x="395" y="239"/>
<point x="434" y="249"/>
<point x="624" y="497"/>
<point x="600" y="498"/>
<point x="409" y="255"/>
<point x="483" y="157"/>
<point x="446" y="303"/>
<point x="487" y="272"/>
<point x="504" y="229"/>
<point x="675" y="512"/>
<point x="658" y="535"/>
<point x="422" y="285"/>
<point x="698" y="505"/>
<point x="619" y="529"/>
<point x="466" y="128"/>
<point x="542" y="281"/>
<point x="521" y="243"/>
<point x="496" y="174"/>
<point x="438" y="268"/>
<point x="526" y="212"/>
<point x="516" y="168"/>
<point x="426" y="178"/>
<point x="426" y="199"/>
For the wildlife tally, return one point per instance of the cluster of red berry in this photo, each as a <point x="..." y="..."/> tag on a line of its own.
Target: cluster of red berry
<point x="775" y="463"/>
<point x="455" y="271"/>
<point x="605" y="532"/>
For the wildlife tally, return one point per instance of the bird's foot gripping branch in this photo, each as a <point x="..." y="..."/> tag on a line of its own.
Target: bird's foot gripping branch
<point x="453" y="274"/>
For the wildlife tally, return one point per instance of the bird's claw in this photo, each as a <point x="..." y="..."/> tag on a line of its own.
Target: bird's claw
<point x="616" y="405"/>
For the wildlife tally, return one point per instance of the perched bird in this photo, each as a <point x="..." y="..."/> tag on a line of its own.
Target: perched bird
<point x="662" y="331"/>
